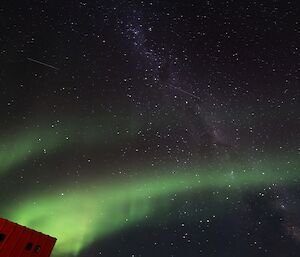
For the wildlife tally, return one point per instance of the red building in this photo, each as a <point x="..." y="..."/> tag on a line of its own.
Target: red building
<point x="19" y="241"/>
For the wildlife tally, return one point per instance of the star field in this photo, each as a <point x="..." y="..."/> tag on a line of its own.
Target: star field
<point x="152" y="128"/>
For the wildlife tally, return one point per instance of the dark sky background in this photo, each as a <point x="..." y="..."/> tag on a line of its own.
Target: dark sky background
<point x="200" y="81"/>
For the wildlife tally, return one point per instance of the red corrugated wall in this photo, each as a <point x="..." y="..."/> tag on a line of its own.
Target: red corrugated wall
<point x="20" y="241"/>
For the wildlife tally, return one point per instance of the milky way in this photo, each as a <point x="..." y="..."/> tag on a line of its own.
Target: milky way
<point x="152" y="128"/>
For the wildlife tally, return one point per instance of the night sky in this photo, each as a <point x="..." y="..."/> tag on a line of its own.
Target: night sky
<point x="152" y="128"/>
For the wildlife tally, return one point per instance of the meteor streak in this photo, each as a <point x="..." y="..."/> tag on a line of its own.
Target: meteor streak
<point x="42" y="63"/>
<point x="185" y="92"/>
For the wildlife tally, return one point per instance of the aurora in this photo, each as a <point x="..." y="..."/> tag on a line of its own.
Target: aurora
<point x="150" y="128"/>
<point x="101" y="207"/>
<point x="51" y="138"/>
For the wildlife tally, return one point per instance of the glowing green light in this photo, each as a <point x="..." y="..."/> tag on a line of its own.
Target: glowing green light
<point x="98" y="208"/>
<point x="21" y="146"/>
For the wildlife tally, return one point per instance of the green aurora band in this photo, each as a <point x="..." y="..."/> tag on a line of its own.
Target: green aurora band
<point x="20" y="146"/>
<point x="100" y="208"/>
